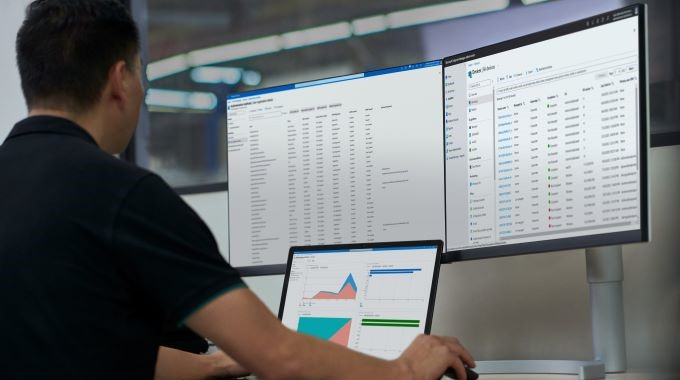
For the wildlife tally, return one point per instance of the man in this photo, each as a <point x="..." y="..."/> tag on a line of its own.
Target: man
<point x="98" y="257"/>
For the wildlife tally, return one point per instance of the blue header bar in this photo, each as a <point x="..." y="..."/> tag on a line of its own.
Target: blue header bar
<point x="394" y="271"/>
<point x="343" y="78"/>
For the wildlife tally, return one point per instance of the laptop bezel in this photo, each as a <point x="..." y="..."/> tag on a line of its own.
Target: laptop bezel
<point x="411" y="243"/>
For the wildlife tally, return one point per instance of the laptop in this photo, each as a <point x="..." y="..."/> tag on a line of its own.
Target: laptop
<point x="374" y="298"/>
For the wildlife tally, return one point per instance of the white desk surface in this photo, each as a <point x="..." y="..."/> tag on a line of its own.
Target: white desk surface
<point x="631" y="375"/>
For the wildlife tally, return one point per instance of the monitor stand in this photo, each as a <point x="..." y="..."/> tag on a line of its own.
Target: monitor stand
<point x="604" y="266"/>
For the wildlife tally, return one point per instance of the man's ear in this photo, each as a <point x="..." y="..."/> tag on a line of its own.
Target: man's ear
<point x="117" y="85"/>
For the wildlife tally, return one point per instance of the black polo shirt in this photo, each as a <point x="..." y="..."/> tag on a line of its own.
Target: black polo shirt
<point x="97" y="256"/>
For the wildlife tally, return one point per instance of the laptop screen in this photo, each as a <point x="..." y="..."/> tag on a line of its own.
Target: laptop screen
<point x="373" y="298"/>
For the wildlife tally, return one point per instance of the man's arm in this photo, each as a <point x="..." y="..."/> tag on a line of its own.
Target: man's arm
<point x="175" y="364"/>
<point x="244" y="328"/>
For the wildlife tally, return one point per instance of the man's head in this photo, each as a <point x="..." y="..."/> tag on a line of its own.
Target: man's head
<point x="81" y="57"/>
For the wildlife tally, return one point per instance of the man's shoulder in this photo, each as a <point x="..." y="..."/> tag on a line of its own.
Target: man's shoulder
<point x="99" y="158"/>
<point x="105" y="169"/>
<point x="60" y="150"/>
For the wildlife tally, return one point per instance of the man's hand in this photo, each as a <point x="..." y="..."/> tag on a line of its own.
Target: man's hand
<point x="429" y="356"/>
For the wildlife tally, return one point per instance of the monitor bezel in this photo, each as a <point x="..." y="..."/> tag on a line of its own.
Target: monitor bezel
<point x="359" y="246"/>
<point x="586" y="241"/>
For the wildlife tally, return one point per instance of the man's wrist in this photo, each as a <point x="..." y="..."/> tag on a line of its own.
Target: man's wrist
<point x="404" y="369"/>
<point x="212" y="365"/>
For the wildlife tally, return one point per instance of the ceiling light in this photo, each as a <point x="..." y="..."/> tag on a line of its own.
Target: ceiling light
<point x="233" y="51"/>
<point x="166" y="67"/>
<point x="204" y="101"/>
<point x="216" y="75"/>
<point x="368" y="25"/>
<point x="313" y="36"/>
<point x="252" y="78"/>
<point x="439" y="12"/>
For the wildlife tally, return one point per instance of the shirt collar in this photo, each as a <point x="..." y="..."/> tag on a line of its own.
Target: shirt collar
<point x="49" y="124"/>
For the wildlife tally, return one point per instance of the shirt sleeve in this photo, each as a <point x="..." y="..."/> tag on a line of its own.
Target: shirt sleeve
<point x="182" y="338"/>
<point x="168" y="253"/>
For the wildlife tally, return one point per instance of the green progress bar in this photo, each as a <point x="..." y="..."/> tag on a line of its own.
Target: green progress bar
<point x="391" y="322"/>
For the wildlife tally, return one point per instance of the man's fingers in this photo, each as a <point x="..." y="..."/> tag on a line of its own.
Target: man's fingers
<point x="456" y="347"/>
<point x="446" y="351"/>
<point x="465" y="356"/>
<point x="458" y="366"/>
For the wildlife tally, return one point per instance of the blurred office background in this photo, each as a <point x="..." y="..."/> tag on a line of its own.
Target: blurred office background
<point x="202" y="50"/>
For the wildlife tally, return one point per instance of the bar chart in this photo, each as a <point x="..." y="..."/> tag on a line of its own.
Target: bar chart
<point x="386" y="337"/>
<point x="396" y="284"/>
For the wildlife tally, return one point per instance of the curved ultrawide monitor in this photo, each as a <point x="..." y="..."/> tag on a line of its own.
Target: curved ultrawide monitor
<point x="546" y="140"/>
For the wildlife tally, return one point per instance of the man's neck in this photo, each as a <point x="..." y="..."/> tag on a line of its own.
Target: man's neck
<point x="84" y="121"/>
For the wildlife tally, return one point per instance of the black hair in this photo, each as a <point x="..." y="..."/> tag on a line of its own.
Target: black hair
<point x="65" y="49"/>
